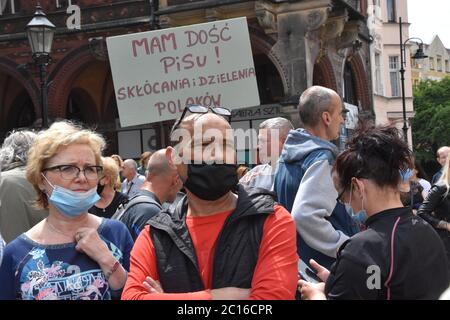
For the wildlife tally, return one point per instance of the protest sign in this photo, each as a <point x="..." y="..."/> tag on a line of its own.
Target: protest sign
<point x="157" y="73"/>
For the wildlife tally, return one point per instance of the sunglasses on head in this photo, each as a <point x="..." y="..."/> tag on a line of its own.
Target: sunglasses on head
<point x="197" y="108"/>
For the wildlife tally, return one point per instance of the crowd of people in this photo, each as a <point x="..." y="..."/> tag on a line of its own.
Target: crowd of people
<point x="188" y="223"/>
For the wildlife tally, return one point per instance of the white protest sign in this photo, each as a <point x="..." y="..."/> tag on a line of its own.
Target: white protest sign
<point x="157" y="73"/>
<point x="351" y="118"/>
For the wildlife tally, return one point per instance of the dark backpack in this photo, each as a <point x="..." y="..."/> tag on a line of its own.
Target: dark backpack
<point x="131" y="203"/>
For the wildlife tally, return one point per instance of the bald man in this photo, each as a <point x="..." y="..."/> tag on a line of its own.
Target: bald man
<point x="216" y="243"/>
<point x="441" y="157"/>
<point x="303" y="181"/>
<point x="133" y="180"/>
<point x="161" y="185"/>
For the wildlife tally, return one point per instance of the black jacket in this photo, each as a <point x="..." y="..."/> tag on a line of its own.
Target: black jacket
<point x="436" y="206"/>
<point x="370" y="266"/>
<point x="237" y="246"/>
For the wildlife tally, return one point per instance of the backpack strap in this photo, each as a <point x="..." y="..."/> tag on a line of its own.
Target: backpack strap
<point x="131" y="203"/>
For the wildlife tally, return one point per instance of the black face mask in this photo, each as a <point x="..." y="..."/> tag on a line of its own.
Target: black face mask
<point x="100" y="188"/>
<point x="211" y="181"/>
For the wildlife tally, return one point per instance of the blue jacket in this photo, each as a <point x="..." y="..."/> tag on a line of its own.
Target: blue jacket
<point x="436" y="177"/>
<point x="304" y="187"/>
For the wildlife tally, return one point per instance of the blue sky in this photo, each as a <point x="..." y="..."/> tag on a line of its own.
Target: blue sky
<point x="429" y="18"/>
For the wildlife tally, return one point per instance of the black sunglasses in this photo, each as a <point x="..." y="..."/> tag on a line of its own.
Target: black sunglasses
<point x="197" y="108"/>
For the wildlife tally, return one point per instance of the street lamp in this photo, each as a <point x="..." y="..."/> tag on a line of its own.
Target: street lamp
<point x="40" y="33"/>
<point x="418" y="55"/>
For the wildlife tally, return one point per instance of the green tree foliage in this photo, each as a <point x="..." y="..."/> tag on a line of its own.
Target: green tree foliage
<point x="431" y="125"/>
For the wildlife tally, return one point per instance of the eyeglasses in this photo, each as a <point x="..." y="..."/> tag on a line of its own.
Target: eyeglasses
<point x="339" y="198"/>
<point x="197" y="108"/>
<point x="70" y="172"/>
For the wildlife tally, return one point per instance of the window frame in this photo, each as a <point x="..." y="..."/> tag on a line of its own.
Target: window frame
<point x="391" y="11"/>
<point x="394" y="71"/>
<point x="431" y="63"/>
<point x="439" y="63"/>
<point x="378" y="73"/>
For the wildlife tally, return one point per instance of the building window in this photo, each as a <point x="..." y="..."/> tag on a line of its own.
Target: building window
<point x="63" y="3"/>
<point x="439" y="63"/>
<point x="377" y="9"/>
<point x="393" y="75"/>
<point x="349" y="86"/>
<point x="447" y="66"/>
<point x="378" y="84"/>
<point x="9" y="7"/>
<point x="431" y="63"/>
<point x="391" y="10"/>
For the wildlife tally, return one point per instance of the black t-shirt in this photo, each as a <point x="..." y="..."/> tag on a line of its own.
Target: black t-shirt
<point x="107" y="212"/>
<point x="415" y="194"/>
<point x="367" y="268"/>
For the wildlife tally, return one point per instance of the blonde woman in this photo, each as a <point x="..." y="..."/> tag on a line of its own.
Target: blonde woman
<point x="107" y="185"/>
<point x="119" y="161"/>
<point x="436" y="207"/>
<point x="71" y="254"/>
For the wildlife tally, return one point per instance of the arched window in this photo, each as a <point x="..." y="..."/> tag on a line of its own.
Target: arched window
<point x="349" y="86"/>
<point x="270" y="85"/>
<point x="26" y="115"/>
<point x="323" y="74"/>
<point x="81" y="107"/>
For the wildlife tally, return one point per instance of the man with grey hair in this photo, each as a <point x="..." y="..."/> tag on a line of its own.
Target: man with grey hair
<point x="17" y="213"/>
<point x="271" y="137"/>
<point x="303" y="180"/>
<point x="133" y="180"/>
<point x="161" y="185"/>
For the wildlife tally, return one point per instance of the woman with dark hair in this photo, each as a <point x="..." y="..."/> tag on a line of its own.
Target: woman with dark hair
<point x="399" y="256"/>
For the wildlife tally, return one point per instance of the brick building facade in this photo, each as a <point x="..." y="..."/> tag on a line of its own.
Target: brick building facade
<point x="295" y="44"/>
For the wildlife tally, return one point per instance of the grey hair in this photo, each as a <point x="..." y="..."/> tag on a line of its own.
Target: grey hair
<point x="313" y="102"/>
<point x="131" y="163"/>
<point x="281" y="124"/>
<point x="442" y="149"/>
<point x="15" y="148"/>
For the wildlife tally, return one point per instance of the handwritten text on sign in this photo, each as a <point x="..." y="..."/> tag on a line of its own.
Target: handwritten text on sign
<point x="157" y="73"/>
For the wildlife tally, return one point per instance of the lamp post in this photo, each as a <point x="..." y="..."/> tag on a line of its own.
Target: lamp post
<point x="418" y="55"/>
<point x="40" y="33"/>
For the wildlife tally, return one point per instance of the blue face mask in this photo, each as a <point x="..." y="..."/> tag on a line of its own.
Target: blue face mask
<point x="71" y="203"/>
<point x="361" y="216"/>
